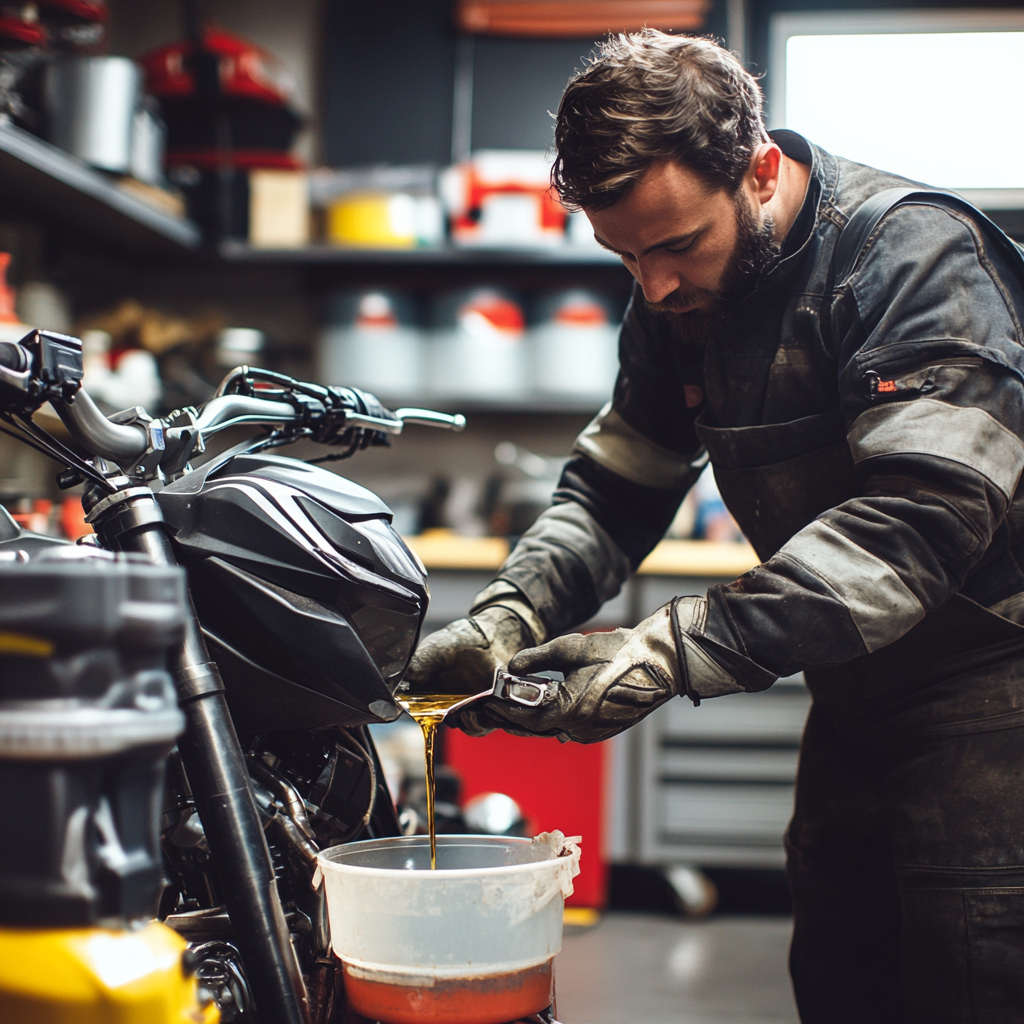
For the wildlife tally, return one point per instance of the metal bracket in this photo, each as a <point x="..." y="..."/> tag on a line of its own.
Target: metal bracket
<point x="146" y="466"/>
<point x="529" y="691"/>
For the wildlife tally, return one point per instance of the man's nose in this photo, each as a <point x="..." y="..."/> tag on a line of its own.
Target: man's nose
<point x="656" y="281"/>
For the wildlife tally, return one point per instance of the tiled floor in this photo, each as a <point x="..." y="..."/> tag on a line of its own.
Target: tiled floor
<point x="649" y="969"/>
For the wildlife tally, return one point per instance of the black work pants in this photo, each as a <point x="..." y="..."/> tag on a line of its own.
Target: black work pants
<point x="906" y="853"/>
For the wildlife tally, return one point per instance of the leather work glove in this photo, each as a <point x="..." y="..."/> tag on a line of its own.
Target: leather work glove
<point x="462" y="657"/>
<point x="612" y="680"/>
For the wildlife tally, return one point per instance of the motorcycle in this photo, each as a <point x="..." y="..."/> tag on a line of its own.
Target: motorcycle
<point x="306" y="608"/>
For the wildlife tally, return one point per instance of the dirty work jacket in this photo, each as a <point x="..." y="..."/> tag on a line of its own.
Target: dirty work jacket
<point x="875" y="469"/>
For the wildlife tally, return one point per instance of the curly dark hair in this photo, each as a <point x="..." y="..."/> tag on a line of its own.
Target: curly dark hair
<point x="648" y="96"/>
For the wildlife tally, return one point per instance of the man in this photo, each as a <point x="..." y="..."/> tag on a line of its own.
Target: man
<point x="864" y="422"/>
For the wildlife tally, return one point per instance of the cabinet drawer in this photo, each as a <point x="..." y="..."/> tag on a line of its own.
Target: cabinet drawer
<point x="676" y="765"/>
<point x="709" y="812"/>
<point x="739" y="717"/>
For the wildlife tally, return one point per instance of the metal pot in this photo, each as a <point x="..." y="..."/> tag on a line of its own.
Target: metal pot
<point x="92" y="103"/>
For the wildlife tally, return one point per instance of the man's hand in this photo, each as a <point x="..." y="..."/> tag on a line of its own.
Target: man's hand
<point x="612" y="680"/>
<point x="462" y="657"/>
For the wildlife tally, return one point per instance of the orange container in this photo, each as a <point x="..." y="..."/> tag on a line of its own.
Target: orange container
<point x="492" y="999"/>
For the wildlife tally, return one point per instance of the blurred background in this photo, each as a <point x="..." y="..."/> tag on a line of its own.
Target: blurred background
<point x="358" y="194"/>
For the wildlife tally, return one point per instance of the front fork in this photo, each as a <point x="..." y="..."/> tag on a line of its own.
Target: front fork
<point x="131" y="520"/>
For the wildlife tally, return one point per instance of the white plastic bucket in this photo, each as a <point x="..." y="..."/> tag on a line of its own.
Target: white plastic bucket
<point x="469" y="943"/>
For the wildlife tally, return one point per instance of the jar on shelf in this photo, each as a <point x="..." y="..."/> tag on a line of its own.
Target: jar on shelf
<point x="372" y="341"/>
<point x="574" y="346"/>
<point x="478" y="346"/>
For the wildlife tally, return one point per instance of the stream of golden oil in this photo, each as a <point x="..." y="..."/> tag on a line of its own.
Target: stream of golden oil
<point x="428" y="711"/>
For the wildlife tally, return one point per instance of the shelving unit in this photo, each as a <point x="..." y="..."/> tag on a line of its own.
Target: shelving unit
<point x="440" y="256"/>
<point x="45" y="183"/>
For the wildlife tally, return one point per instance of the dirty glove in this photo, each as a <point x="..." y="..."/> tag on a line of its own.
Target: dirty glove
<point x="612" y="680"/>
<point x="462" y="657"/>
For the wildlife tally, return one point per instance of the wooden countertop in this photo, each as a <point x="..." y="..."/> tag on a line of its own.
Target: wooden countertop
<point x="442" y="549"/>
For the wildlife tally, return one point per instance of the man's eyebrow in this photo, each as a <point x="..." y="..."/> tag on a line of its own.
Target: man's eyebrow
<point x="604" y="245"/>
<point x="663" y="244"/>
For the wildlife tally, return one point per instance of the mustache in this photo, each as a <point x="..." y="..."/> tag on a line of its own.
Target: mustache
<point x="681" y="300"/>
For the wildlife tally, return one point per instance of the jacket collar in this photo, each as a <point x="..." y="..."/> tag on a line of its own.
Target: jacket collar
<point x="818" y="202"/>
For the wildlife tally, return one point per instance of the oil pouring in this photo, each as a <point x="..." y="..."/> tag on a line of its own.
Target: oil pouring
<point x="428" y="710"/>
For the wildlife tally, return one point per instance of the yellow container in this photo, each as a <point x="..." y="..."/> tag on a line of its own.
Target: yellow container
<point x="373" y="220"/>
<point x="96" y="976"/>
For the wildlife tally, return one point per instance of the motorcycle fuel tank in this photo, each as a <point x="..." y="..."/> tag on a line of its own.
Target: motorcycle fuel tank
<point x="310" y="601"/>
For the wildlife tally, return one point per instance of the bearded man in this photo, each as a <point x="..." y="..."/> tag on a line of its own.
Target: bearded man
<point x="845" y="347"/>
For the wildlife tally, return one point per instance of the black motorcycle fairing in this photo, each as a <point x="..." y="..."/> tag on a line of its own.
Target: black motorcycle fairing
<point x="262" y="513"/>
<point x="336" y="492"/>
<point x="343" y="496"/>
<point x="292" y="637"/>
<point x="310" y="583"/>
<point x="262" y="701"/>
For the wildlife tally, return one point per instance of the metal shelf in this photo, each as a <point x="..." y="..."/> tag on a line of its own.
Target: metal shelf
<point x="567" y="405"/>
<point x="442" y="256"/>
<point x="44" y="182"/>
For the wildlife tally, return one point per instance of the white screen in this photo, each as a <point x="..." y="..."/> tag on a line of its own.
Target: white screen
<point x="939" y="107"/>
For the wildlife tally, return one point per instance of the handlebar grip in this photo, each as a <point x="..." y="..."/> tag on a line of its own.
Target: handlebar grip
<point x="13" y="356"/>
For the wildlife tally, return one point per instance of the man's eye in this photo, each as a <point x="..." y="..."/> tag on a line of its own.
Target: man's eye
<point x="681" y="248"/>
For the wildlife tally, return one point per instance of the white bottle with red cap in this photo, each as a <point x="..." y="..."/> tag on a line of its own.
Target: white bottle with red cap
<point x="373" y="343"/>
<point x="574" y="346"/>
<point x="478" y="346"/>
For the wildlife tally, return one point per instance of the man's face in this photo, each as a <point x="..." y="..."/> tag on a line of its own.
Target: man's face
<point x="693" y="249"/>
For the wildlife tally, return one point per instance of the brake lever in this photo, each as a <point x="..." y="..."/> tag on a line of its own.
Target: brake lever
<point x="358" y="419"/>
<point x="423" y="417"/>
<point x="430" y="418"/>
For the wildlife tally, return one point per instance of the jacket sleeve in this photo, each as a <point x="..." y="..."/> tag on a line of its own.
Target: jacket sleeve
<point x="619" y="492"/>
<point x="931" y="389"/>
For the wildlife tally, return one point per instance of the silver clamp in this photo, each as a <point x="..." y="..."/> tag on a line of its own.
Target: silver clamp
<point x="529" y="691"/>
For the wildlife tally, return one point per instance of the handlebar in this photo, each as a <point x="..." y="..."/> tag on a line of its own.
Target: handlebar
<point x="47" y="367"/>
<point x="125" y="443"/>
<point x="233" y="410"/>
<point x="91" y="429"/>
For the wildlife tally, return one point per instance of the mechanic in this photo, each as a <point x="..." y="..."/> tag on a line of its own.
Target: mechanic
<point x="864" y="416"/>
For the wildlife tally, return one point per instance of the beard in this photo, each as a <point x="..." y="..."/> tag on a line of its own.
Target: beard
<point x="754" y="253"/>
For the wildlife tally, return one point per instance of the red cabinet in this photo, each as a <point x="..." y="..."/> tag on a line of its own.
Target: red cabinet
<point x="557" y="785"/>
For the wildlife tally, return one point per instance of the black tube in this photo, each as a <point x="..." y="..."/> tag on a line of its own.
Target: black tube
<point x="217" y="773"/>
<point x="13" y="356"/>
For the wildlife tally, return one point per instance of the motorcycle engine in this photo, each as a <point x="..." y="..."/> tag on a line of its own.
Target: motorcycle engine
<point x="313" y="790"/>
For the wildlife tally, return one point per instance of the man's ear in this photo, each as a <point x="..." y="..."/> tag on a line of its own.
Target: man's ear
<point x="764" y="170"/>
